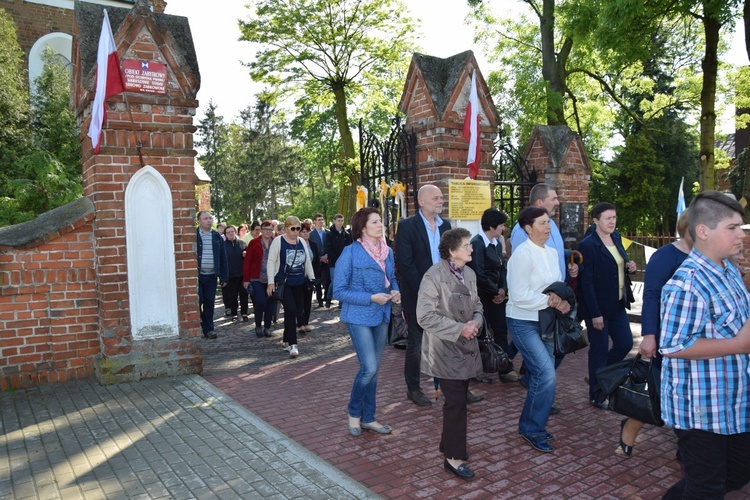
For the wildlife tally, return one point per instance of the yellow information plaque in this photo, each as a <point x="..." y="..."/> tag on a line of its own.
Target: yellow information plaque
<point x="467" y="199"/>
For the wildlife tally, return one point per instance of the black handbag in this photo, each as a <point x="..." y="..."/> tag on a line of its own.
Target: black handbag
<point x="278" y="293"/>
<point x="568" y="335"/>
<point x="494" y="359"/>
<point x="638" y="396"/>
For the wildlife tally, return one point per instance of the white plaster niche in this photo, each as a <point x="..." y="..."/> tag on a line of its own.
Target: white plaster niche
<point x="149" y="234"/>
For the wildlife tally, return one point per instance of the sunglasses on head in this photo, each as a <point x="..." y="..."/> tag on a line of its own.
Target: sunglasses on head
<point x="295" y="228"/>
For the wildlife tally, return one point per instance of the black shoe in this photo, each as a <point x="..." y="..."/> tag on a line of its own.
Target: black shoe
<point x="210" y="335"/>
<point x="320" y="304"/>
<point x="471" y="398"/>
<point x="596" y="404"/>
<point x="328" y="304"/>
<point x="539" y="443"/>
<point x="227" y="313"/>
<point x="461" y="471"/>
<point x="555" y="410"/>
<point x="418" y="398"/>
<point x="627" y="450"/>
<point x="245" y="318"/>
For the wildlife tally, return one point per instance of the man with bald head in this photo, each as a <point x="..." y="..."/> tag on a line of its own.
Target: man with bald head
<point x="417" y="240"/>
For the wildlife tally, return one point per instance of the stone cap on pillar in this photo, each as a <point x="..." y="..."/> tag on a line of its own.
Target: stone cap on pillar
<point x="561" y="144"/>
<point x="442" y="85"/>
<point x="171" y="34"/>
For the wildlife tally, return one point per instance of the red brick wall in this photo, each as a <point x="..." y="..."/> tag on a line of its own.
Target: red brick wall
<point x="441" y="147"/>
<point x="48" y="309"/>
<point x="163" y="124"/>
<point x="33" y="20"/>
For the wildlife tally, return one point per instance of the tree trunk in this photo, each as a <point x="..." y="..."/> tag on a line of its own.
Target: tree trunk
<point x="710" y="65"/>
<point x="552" y="72"/>
<point x="746" y="185"/>
<point x="347" y="194"/>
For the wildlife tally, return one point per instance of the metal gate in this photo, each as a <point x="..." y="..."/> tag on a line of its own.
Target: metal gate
<point x="513" y="177"/>
<point x="391" y="159"/>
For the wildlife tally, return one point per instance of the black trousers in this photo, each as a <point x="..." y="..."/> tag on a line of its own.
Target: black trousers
<point x="453" y="438"/>
<point x="713" y="464"/>
<point x="293" y="307"/>
<point x="413" y="358"/>
<point x="307" y="295"/>
<point x="232" y="292"/>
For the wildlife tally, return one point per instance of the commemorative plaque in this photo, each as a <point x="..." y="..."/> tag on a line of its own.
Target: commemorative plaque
<point x="148" y="77"/>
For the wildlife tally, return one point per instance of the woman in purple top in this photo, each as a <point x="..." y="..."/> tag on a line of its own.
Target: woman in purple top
<point x="662" y="265"/>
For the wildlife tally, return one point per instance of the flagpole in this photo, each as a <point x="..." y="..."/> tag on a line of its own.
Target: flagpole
<point x="138" y="143"/>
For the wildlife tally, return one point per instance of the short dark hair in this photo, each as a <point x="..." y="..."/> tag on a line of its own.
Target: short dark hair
<point x="529" y="214"/>
<point x="359" y="220"/>
<point x="451" y="240"/>
<point x="491" y="218"/>
<point x="266" y="223"/>
<point x="600" y="208"/>
<point x="539" y="192"/>
<point x="317" y="215"/>
<point x="254" y="225"/>
<point x="338" y="216"/>
<point x="710" y="208"/>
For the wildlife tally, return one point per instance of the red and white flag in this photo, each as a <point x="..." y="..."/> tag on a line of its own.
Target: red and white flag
<point x="108" y="81"/>
<point x="471" y="129"/>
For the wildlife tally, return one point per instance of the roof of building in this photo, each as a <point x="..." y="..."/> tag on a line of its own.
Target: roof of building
<point x="441" y="76"/>
<point x="727" y="145"/>
<point x="89" y="19"/>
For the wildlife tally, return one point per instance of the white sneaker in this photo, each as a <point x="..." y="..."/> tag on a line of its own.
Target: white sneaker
<point x="293" y="352"/>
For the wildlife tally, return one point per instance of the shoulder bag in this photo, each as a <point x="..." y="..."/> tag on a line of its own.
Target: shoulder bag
<point x="494" y="359"/>
<point x="638" y="395"/>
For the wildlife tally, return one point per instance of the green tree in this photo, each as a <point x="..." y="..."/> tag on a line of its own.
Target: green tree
<point x="14" y="103"/>
<point x="325" y="48"/>
<point x="213" y="136"/>
<point x="53" y="124"/>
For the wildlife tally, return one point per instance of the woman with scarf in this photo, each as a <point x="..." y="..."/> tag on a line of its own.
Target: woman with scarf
<point x="450" y="311"/>
<point x="365" y="285"/>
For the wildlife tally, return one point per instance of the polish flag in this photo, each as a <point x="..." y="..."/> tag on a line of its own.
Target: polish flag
<point x="471" y="129"/>
<point x="108" y="81"/>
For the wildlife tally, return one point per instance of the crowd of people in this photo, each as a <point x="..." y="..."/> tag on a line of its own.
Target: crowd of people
<point x="450" y="285"/>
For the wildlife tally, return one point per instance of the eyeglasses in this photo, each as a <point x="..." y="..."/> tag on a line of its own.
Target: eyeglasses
<point x="266" y="229"/>
<point x="466" y="246"/>
<point x="295" y="228"/>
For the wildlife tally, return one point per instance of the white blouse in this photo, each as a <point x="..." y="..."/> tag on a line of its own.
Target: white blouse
<point x="531" y="269"/>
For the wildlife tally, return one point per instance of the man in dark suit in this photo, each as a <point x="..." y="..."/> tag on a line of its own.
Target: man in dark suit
<point x="319" y="236"/>
<point x="417" y="240"/>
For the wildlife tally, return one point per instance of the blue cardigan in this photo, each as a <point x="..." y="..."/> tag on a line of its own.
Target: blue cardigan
<point x="598" y="279"/>
<point x="356" y="278"/>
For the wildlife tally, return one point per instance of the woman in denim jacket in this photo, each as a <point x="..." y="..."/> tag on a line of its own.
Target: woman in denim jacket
<point x="365" y="285"/>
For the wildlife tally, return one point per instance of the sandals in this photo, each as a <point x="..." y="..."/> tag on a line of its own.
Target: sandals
<point x="379" y="428"/>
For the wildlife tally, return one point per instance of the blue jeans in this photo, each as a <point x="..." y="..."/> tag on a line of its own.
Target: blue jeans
<point x="206" y="298"/>
<point x="540" y="367"/>
<point x="369" y="342"/>
<point x="616" y="328"/>
<point x="262" y="307"/>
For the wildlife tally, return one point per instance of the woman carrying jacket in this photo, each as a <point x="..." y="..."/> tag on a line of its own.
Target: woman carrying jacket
<point x="365" y="285"/>
<point x="450" y="312"/>
<point x="603" y="294"/>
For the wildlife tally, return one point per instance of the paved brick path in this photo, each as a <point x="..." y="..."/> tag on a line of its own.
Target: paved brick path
<point x="306" y="399"/>
<point x="170" y="438"/>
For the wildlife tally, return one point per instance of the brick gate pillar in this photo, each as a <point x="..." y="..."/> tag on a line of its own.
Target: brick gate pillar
<point x="434" y="101"/>
<point x="163" y="122"/>
<point x="559" y="158"/>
